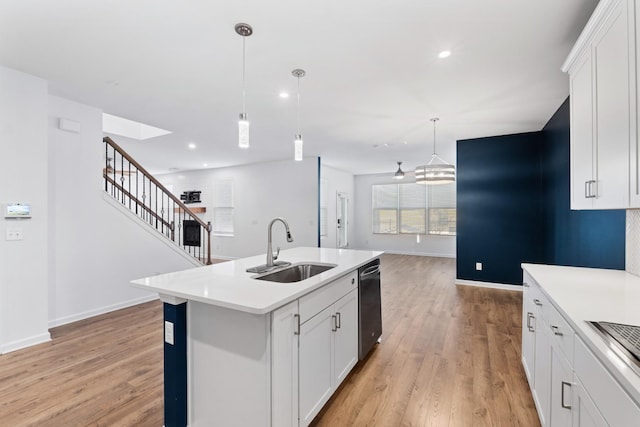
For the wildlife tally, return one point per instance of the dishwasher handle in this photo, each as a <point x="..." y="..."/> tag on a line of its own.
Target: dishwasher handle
<point x="371" y="270"/>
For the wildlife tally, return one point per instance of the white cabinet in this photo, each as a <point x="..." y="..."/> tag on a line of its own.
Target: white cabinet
<point x="316" y="363"/>
<point x="585" y="412"/>
<point x="561" y="389"/>
<point x="284" y="365"/>
<point x="346" y="337"/>
<point x="569" y="385"/>
<point x="328" y="352"/>
<point x="603" y="107"/>
<point x="314" y="346"/>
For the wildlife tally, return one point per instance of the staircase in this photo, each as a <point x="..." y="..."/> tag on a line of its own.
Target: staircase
<point x="136" y="189"/>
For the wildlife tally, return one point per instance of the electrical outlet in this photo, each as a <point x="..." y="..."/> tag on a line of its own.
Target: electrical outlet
<point x="168" y="332"/>
<point x="478" y="266"/>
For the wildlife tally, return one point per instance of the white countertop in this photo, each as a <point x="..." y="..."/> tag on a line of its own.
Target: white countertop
<point x="592" y="294"/>
<point x="228" y="284"/>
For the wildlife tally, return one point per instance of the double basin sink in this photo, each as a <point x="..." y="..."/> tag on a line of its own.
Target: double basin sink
<point x="295" y="272"/>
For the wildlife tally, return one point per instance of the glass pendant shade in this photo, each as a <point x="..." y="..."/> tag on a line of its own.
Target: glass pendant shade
<point x="437" y="171"/>
<point x="297" y="148"/>
<point x="243" y="131"/>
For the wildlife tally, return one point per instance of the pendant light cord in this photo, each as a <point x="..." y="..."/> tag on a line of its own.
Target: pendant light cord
<point x="298" y="105"/>
<point x="244" y="90"/>
<point x="434" y="136"/>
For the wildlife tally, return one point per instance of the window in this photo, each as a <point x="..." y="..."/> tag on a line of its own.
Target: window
<point x="414" y="209"/>
<point x="385" y="209"/>
<point x="223" y="208"/>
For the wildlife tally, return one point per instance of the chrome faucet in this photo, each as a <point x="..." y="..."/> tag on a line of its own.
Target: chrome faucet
<point x="271" y="257"/>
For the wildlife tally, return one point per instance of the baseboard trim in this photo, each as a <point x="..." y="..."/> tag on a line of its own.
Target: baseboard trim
<point x="420" y="254"/>
<point x="102" y="310"/>
<point x="488" y="285"/>
<point x="26" y="342"/>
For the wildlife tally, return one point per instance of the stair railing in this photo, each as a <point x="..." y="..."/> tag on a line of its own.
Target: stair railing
<point x="129" y="183"/>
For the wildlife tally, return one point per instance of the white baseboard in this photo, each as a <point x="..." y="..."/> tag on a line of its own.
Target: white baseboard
<point x="25" y="342"/>
<point x="488" y="285"/>
<point x="102" y="310"/>
<point x="420" y="254"/>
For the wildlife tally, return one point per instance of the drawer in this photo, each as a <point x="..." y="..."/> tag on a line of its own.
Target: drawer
<point x="561" y="333"/>
<point x="615" y="405"/>
<point x="316" y="301"/>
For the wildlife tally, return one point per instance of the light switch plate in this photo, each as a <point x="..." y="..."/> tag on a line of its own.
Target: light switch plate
<point x="479" y="266"/>
<point x="168" y="332"/>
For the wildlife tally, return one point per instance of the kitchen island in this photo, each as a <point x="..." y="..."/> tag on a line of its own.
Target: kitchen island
<point x="242" y="351"/>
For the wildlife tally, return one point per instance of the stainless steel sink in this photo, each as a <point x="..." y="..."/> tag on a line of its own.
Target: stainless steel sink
<point x="296" y="273"/>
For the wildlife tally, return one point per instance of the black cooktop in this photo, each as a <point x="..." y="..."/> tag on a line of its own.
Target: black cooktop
<point x="625" y="338"/>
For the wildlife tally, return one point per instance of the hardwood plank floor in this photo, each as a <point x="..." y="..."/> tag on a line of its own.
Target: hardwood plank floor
<point x="450" y="356"/>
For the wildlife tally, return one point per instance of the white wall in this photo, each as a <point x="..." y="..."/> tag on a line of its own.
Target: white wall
<point x="337" y="181"/>
<point x="262" y="191"/>
<point x="95" y="248"/>
<point x="441" y="246"/>
<point x="23" y="178"/>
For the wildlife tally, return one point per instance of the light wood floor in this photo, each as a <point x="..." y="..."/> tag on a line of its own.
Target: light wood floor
<point x="450" y="356"/>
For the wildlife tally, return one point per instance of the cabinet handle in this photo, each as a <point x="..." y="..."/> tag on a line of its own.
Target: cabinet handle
<point x="296" y="329"/>
<point x="529" y="317"/>
<point x="563" y="384"/>
<point x="556" y="331"/>
<point x="588" y="189"/>
<point x="338" y="320"/>
<point x="335" y="323"/>
<point x="525" y="284"/>
<point x="537" y="302"/>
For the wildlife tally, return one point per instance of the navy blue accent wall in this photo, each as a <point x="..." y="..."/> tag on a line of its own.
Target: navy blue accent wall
<point x="513" y="206"/>
<point x="498" y="207"/>
<point x="577" y="238"/>
<point x="175" y="367"/>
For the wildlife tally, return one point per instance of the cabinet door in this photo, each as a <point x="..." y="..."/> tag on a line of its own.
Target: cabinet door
<point x="582" y="151"/>
<point x="612" y="112"/>
<point x="561" y="389"/>
<point x="284" y="364"/>
<point x="542" y="371"/>
<point x="346" y="336"/>
<point x="315" y="364"/>
<point x="585" y="413"/>
<point x="528" y="336"/>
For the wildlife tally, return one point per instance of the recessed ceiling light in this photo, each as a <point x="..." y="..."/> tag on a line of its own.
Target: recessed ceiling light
<point x="444" y="54"/>
<point x="205" y="165"/>
<point x="284" y="95"/>
<point x="191" y="146"/>
<point x="405" y="142"/>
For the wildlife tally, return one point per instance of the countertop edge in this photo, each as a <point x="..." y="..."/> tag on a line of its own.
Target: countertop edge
<point x="341" y="271"/>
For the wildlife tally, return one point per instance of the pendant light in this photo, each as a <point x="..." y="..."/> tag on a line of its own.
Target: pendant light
<point x="297" y="142"/>
<point x="245" y="30"/>
<point x="399" y="173"/>
<point x="437" y="171"/>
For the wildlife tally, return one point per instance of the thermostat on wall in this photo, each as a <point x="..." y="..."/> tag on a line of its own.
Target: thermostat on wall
<point x="17" y="210"/>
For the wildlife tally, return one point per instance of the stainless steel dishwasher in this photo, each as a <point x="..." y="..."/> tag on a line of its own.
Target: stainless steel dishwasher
<point x="369" y="307"/>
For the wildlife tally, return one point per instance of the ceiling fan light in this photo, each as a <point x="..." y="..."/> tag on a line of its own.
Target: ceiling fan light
<point x="399" y="173"/>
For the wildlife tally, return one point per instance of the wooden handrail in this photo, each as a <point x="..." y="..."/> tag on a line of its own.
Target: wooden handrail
<point x="154" y="180"/>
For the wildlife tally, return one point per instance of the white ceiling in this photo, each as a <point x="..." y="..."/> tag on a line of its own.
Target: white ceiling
<point x="373" y="76"/>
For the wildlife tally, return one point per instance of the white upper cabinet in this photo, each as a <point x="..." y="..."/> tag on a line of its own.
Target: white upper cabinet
<point x="603" y="109"/>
